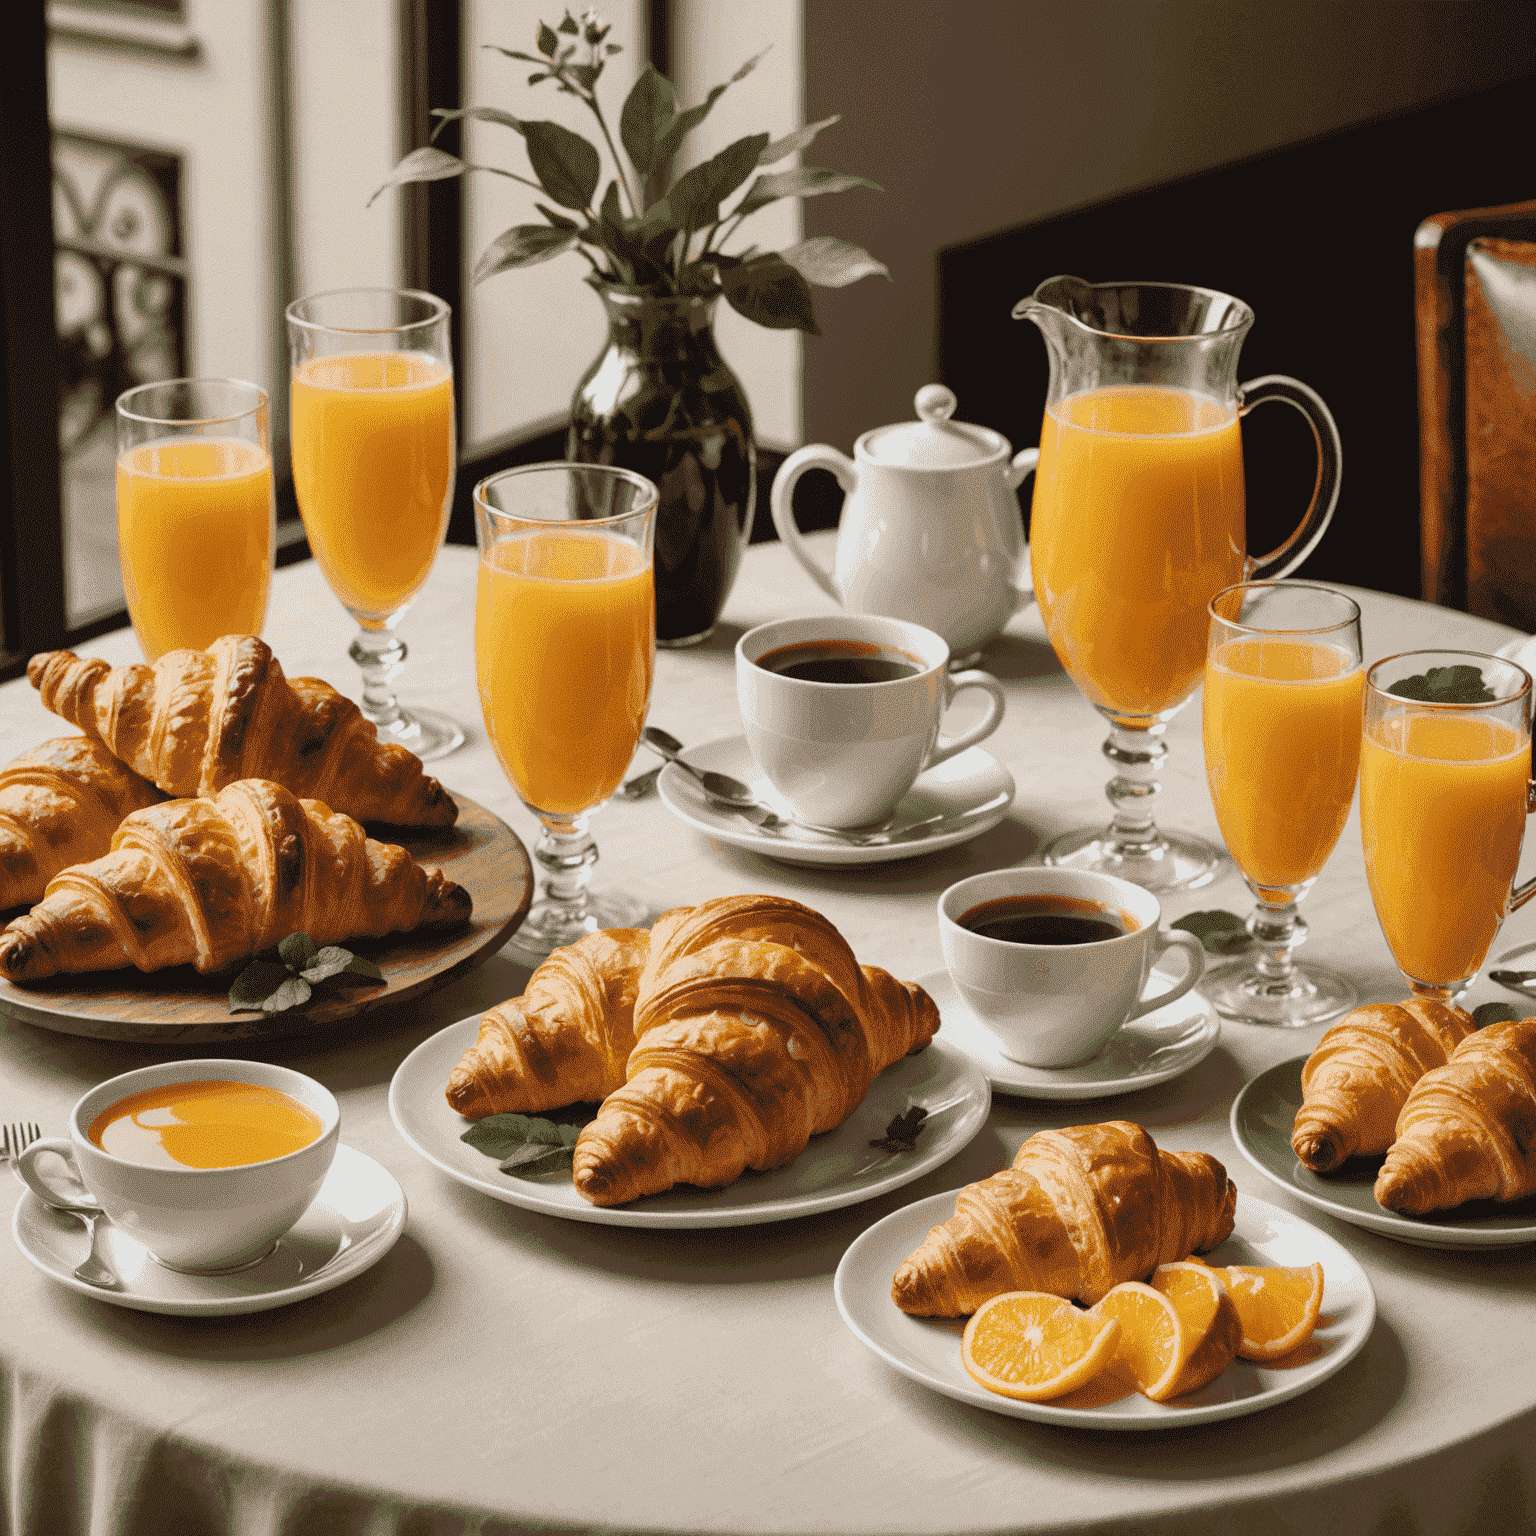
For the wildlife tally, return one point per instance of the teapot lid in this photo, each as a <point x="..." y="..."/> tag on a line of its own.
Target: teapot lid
<point x="933" y="441"/>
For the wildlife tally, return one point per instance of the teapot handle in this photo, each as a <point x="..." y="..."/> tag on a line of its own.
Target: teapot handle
<point x="781" y="504"/>
<point x="1330" y="470"/>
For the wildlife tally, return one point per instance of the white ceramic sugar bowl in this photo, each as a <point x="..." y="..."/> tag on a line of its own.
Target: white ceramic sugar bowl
<point x="930" y="530"/>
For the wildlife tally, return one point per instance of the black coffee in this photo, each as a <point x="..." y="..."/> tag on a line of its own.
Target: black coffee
<point x="1046" y="920"/>
<point x="839" y="661"/>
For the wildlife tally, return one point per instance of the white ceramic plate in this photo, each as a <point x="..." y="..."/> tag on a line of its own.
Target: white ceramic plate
<point x="840" y="1168"/>
<point x="928" y="1349"/>
<point x="968" y="794"/>
<point x="354" y="1222"/>
<point x="1263" y="1115"/>
<point x="1152" y="1049"/>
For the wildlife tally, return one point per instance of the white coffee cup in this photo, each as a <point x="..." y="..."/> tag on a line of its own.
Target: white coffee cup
<point x="844" y="753"/>
<point x="199" y="1220"/>
<point x="1058" y="1004"/>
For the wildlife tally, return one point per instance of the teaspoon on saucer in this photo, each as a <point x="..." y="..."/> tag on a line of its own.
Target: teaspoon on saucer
<point x="718" y="786"/>
<point x="1516" y="981"/>
<point x="95" y="1270"/>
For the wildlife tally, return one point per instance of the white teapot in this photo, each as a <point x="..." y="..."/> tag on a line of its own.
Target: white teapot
<point x="930" y="530"/>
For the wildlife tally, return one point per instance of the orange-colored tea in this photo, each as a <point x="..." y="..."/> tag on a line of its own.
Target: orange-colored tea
<point x="1442" y="815"/>
<point x="1138" y="522"/>
<point x="1282" y="749"/>
<point x="205" y="1124"/>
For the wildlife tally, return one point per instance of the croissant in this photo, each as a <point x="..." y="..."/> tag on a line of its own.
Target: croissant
<point x="60" y="805"/>
<point x="1468" y="1130"/>
<point x="565" y="1040"/>
<point x="1080" y="1211"/>
<point x="213" y="882"/>
<point x="199" y="720"/>
<point x="1357" y="1079"/>
<point x="755" y="1029"/>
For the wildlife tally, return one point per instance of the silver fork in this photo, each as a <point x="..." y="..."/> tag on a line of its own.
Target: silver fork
<point x="95" y="1270"/>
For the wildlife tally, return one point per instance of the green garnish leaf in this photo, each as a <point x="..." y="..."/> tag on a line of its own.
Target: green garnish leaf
<point x="531" y="1158"/>
<point x="1493" y="1013"/>
<point x="524" y="1144"/>
<point x="902" y="1133"/>
<point x="1460" y="684"/>
<point x="275" y="986"/>
<point x="1222" y="933"/>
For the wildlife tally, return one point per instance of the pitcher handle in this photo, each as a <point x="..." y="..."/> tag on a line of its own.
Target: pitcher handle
<point x="781" y="505"/>
<point x="1330" y="469"/>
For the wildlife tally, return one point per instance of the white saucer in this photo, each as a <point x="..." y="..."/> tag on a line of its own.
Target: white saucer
<point x="970" y="793"/>
<point x="928" y="1349"/>
<point x="1157" y="1046"/>
<point x="354" y="1222"/>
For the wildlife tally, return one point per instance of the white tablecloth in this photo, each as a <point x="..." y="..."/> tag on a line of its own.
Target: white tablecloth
<point x="502" y="1371"/>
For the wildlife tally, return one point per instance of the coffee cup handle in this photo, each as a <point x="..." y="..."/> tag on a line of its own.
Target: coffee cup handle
<point x="1162" y="941"/>
<point x="32" y="1177"/>
<point x="781" y="505"/>
<point x="945" y="747"/>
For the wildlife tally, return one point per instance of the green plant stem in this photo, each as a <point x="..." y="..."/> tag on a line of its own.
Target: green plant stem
<point x="510" y="175"/>
<point x="618" y="165"/>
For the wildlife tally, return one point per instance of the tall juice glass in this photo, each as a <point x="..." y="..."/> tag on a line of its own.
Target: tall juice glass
<point x="1282" y="699"/>
<point x="195" y="516"/>
<point x="565" y="643"/>
<point x="1139" y="519"/>
<point x="1445" y="789"/>
<point x="372" y="425"/>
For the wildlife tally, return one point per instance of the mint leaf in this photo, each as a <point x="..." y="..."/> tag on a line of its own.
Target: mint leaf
<point x="297" y="951"/>
<point x="500" y="1136"/>
<point x="291" y="993"/>
<point x="902" y="1133"/>
<point x="1222" y="933"/>
<point x="532" y="1158"/>
<point x="276" y="986"/>
<point x="255" y="984"/>
<point x="1493" y="1013"/>
<point x="1445" y="685"/>
<point x="361" y="965"/>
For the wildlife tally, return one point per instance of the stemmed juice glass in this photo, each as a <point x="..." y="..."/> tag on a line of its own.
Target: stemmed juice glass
<point x="1283" y="685"/>
<point x="565" y="644"/>
<point x="1444" y="792"/>
<point x="372" y="424"/>
<point x="195" y="515"/>
<point x="1138" y="521"/>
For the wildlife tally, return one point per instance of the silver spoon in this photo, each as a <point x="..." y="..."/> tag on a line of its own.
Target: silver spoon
<point x="95" y="1270"/>
<point x="719" y="786"/>
<point x="1516" y="981"/>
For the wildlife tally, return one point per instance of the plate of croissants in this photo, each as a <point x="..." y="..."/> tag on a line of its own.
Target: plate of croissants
<point x="210" y="808"/>
<point x="735" y="1064"/>
<point x="1408" y="1120"/>
<point x="1081" y="1214"/>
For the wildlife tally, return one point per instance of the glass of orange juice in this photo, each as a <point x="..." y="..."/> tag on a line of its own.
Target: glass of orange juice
<point x="371" y="420"/>
<point x="1445" y="789"/>
<point x="195" y="515"/>
<point x="565" y="643"/>
<point x="1139" y="519"/>
<point x="1283" y="685"/>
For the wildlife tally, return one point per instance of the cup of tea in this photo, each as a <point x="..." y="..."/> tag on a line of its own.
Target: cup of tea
<point x="1053" y="961"/>
<point x="206" y="1163"/>
<point x="842" y="712"/>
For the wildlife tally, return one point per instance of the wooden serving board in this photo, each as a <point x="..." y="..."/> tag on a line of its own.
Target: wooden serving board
<point x="178" y="1006"/>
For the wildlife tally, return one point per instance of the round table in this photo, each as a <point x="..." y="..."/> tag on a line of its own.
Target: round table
<point x="501" y="1370"/>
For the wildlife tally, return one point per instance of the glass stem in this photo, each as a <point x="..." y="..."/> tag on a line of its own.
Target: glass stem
<point x="1137" y="753"/>
<point x="1278" y="931"/>
<point x="381" y="655"/>
<point x="566" y="853"/>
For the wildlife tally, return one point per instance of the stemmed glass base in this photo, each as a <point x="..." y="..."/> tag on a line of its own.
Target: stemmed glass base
<point x="429" y="734"/>
<point x="567" y="910"/>
<point x="1132" y="846"/>
<point x="1311" y="994"/>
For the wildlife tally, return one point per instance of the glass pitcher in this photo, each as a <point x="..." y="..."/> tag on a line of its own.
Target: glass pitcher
<point x="1139" y="520"/>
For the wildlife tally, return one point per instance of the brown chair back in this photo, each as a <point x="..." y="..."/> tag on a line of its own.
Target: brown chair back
<point x="1475" y="282"/>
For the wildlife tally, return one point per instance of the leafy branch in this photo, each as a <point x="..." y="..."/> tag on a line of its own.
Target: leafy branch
<point x="672" y="243"/>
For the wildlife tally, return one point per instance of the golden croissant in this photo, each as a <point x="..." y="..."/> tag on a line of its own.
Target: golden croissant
<point x="755" y="1029"/>
<point x="59" y="805"/>
<point x="213" y="882"/>
<point x="1358" y="1077"/>
<point x="566" y="1040"/>
<point x="1468" y="1130"/>
<point x="198" y="720"/>
<point x="1080" y="1211"/>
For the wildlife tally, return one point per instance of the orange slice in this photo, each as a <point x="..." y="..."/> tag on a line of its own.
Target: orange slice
<point x="1277" y="1307"/>
<point x="1031" y="1346"/>
<point x="1211" y="1324"/>
<point x="1153" y="1345"/>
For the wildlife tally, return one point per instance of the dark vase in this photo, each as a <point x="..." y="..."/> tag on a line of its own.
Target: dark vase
<point x="661" y="400"/>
